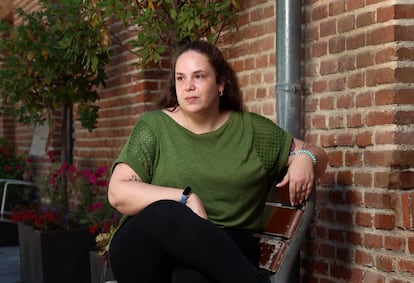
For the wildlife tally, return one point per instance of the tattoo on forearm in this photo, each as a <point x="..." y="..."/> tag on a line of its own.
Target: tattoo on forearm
<point x="134" y="178"/>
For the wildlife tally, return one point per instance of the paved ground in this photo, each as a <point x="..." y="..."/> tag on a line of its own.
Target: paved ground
<point x="10" y="264"/>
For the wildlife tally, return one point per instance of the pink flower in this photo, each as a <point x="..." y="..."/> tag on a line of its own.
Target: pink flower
<point x="72" y="168"/>
<point x="51" y="155"/>
<point x="101" y="170"/>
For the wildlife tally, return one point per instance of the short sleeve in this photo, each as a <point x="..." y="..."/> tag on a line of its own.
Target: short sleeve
<point x="272" y="144"/>
<point x="140" y="151"/>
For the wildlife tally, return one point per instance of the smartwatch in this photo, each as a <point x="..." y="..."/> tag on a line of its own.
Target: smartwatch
<point x="185" y="195"/>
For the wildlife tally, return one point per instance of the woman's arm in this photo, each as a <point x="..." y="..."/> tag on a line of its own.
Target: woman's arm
<point x="301" y="172"/>
<point x="129" y="195"/>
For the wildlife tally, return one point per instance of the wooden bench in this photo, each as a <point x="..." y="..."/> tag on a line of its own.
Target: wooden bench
<point x="285" y="227"/>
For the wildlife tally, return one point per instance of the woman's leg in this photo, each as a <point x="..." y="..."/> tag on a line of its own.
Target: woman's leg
<point x="246" y="243"/>
<point x="168" y="230"/>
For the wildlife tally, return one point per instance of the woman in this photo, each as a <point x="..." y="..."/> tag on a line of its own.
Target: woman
<point x="194" y="175"/>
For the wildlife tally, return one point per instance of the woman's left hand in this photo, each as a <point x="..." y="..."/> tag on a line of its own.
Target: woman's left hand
<point x="300" y="176"/>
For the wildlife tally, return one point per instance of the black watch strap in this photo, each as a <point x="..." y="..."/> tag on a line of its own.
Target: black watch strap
<point x="185" y="195"/>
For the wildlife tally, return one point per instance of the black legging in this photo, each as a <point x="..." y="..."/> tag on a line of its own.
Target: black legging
<point x="167" y="243"/>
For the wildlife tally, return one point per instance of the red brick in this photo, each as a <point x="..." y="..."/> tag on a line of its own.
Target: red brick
<point x="337" y="84"/>
<point x="355" y="41"/>
<point x="319" y="49"/>
<point x="385" y="137"/>
<point x="401" y="180"/>
<point x="356" y="80"/>
<point x="404" y="33"/>
<point x="405" y="96"/>
<point x="354" y="198"/>
<point x="336" y="8"/>
<point x="394" y="243"/>
<point x="335" y="122"/>
<point x="404" y="75"/>
<point x="381" y="179"/>
<point x="407" y="202"/>
<point x="319" y="12"/>
<point x="319" y="86"/>
<point x="376" y="77"/>
<point x="365" y="60"/>
<point x="364" y="258"/>
<point x="344" y="101"/>
<point x="354" y="4"/>
<point x="385" y="14"/>
<point x="335" y="159"/>
<point x="326" y="103"/>
<point x="379" y="118"/>
<point x="384" y="97"/>
<point x="354" y="120"/>
<point x="405" y="53"/>
<point x="346" y="23"/>
<point x="363" y="179"/>
<point x="354" y="238"/>
<point x="344" y="218"/>
<point x="336" y="45"/>
<point x="406" y="266"/>
<point x="373" y="277"/>
<point x="328" y="67"/>
<point x="364" y="219"/>
<point x="353" y="159"/>
<point x="373" y="241"/>
<point x="365" y="19"/>
<point x="381" y="35"/>
<point x="327" y="251"/>
<point x="411" y="245"/>
<point x="385" y="55"/>
<point x="327" y="28"/>
<point x="345" y="139"/>
<point x="363" y="139"/>
<point x="384" y="221"/>
<point x="319" y="122"/>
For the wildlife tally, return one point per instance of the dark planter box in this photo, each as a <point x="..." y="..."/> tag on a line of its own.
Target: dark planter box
<point x="9" y="235"/>
<point x="54" y="256"/>
<point x="100" y="271"/>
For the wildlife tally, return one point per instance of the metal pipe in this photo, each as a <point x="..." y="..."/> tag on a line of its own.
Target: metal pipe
<point x="288" y="57"/>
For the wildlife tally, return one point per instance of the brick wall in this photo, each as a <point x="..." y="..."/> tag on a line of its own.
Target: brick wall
<point x="359" y="107"/>
<point x="358" y="73"/>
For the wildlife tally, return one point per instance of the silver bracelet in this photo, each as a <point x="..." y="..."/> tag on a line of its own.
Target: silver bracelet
<point x="308" y="153"/>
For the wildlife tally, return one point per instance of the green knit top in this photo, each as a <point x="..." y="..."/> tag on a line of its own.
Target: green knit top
<point x="230" y="169"/>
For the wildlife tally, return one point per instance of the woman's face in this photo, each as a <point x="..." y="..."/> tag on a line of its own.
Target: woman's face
<point x="195" y="83"/>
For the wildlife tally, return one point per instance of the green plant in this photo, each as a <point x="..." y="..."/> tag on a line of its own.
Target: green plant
<point x="88" y="206"/>
<point x="163" y="24"/>
<point x="54" y="59"/>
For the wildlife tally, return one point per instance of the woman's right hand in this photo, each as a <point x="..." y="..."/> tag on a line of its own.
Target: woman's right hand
<point x="195" y="204"/>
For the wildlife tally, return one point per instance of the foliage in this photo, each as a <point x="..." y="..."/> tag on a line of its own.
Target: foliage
<point x="55" y="213"/>
<point x="163" y="24"/>
<point x="55" y="57"/>
<point x="15" y="167"/>
<point x="12" y="166"/>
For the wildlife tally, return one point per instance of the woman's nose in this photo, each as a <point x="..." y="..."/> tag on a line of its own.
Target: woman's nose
<point x="189" y="84"/>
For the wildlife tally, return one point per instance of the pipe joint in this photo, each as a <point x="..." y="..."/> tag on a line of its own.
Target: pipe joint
<point x="288" y="87"/>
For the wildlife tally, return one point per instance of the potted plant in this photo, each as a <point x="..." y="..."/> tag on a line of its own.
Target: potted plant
<point x="55" y="239"/>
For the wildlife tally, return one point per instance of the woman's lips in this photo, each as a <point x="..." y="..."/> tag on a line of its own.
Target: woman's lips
<point x="191" y="99"/>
